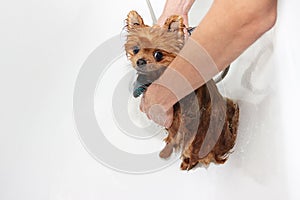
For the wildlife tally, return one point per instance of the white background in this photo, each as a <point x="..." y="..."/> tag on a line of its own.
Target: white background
<point x="42" y="47"/>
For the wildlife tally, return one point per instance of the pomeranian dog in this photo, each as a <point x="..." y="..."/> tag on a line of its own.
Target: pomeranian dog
<point x="196" y="126"/>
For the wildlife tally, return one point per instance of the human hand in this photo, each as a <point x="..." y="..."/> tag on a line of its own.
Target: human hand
<point x="176" y="7"/>
<point x="161" y="20"/>
<point x="157" y="103"/>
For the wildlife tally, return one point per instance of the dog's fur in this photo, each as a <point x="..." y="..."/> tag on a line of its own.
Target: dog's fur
<point x="196" y="123"/>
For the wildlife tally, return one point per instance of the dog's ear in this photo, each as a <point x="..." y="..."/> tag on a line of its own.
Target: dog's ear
<point x="174" y="24"/>
<point x="134" y="20"/>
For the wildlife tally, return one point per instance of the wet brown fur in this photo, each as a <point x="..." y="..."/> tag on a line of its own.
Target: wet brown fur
<point x="196" y="128"/>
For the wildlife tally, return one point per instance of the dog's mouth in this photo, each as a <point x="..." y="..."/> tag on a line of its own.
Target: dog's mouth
<point x="144" y="80"/>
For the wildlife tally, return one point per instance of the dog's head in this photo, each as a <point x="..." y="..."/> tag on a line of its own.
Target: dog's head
<point x="152" y="49"/>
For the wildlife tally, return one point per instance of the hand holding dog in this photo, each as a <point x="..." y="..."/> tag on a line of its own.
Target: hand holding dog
<point x="224" y="33"/>
<point x="156" y="109"/>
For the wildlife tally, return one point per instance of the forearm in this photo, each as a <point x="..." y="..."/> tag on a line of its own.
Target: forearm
<point x="227" y="30"/>
<point x="230" y="27"/>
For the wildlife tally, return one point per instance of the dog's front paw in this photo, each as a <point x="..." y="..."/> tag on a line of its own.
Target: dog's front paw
<point x="167" y="151"/>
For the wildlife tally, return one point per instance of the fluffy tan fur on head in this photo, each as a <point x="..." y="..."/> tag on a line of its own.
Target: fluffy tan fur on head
<point x="143" y="41"/>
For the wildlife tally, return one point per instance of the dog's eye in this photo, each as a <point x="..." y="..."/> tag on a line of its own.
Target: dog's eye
<point x="158" y="56"/>
<point x="135" y="50"/>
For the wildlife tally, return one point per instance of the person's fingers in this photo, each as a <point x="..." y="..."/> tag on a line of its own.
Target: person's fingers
<point x="186" y="33"/>
<point x="161" y="20"/>
<point x="143" y="107"/>
<point x="185" y="20"/>
<point x="142" y="104"/>
<point x="156" y="112"/>
<point x="169" y="119"/>
<point x="160" y="116"/>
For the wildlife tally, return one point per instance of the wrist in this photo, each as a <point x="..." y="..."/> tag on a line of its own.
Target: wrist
<point x="176" y="7"/>
<point x="179" y="7"/>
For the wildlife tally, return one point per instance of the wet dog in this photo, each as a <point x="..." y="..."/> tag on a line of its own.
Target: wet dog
<point x="205" y="123"/>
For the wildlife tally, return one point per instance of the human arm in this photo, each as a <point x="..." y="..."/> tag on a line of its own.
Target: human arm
<point x="176" y="7"/>
<point x="225" y="32"/>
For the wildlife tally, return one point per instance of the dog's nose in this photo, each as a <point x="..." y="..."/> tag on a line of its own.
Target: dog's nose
<point x="141" y="62"/>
